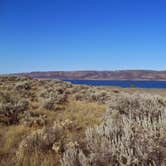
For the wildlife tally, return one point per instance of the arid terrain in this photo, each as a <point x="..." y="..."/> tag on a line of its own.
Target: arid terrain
<point x="52" y="123"/>
<point x="100" y="75"/>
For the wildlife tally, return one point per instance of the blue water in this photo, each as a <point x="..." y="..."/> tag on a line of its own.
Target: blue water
<point x="125" y="84"/>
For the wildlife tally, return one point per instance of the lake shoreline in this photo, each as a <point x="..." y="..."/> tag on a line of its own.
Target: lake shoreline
<point x="121" y="83"/>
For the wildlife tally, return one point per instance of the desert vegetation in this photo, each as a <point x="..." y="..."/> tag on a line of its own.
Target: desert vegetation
<point x="52" y="123"/>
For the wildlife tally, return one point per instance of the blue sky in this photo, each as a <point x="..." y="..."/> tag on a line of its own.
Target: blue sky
<point x="43" y="35"/>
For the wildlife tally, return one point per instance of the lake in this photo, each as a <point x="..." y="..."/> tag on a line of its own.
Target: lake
<point x="123" y="83"/>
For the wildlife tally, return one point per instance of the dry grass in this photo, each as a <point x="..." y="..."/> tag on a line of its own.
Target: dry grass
<point x="11" y="136"/>
<point x="78" y="119"/>
<point x="133" y="132"/>
<point x="152" y="91"/>
<point x="40" y="159"/>
<point x="83" y="113"/>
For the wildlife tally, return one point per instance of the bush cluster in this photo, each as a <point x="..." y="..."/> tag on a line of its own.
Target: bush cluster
<point x="54" y="98"/>
<point x="45" y="139"/>
<point x="11" y="108"/>
<point x="133" y="132"/>
<point x="92" y="95"/>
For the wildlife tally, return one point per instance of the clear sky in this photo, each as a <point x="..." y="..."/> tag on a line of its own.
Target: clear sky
<point x="43" y="35"/>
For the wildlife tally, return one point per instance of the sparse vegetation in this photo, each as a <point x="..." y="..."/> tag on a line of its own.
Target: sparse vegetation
<point x="132" y="133"/>
<point x="51" y="123"/>
<point x="11" y="108"/>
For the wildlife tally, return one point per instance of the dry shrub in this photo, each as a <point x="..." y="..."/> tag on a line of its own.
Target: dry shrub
<point x="24" y="85"/>
<point x="11" y="107"/>
<point x="92" y="94"/>
<point x="53" y="104"/>
<point x="31" y="119"/>
<point x="53" y="99"/>
<point x="25" y="89"/>
<point x="133" y="133"/>
<point x="49" y="104"/>
<point x="138" y="105"/>
<point x="40" y="140"/>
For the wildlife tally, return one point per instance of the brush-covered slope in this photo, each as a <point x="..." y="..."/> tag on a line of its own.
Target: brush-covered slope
<point x="52" y="123"/>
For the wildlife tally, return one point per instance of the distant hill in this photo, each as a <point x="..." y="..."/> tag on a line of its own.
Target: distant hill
<point x="100" y="75"/>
